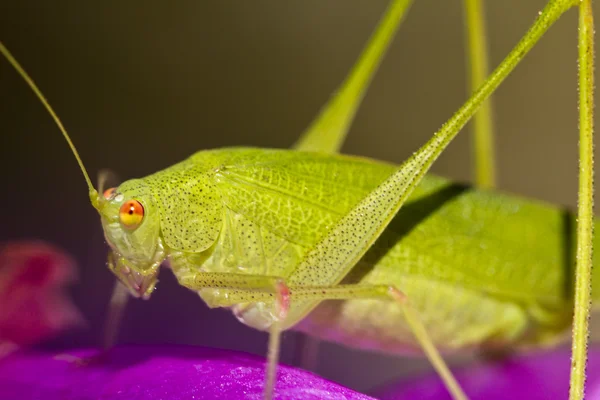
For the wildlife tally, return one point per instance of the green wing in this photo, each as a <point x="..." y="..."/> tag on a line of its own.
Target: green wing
<point x="483" y="240"/>
<point x="486" y="241"/>
<point x="296" y="195"/>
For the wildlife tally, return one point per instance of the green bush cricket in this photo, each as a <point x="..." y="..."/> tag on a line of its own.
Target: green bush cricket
<point x="246" y="226"/>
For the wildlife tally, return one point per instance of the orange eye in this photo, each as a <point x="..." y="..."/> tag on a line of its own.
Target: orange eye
<point x="109" y="192"/>
<point x="131" y="214"/>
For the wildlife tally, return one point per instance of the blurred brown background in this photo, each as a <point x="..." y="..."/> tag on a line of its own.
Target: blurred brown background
<point x="141" y="85"/>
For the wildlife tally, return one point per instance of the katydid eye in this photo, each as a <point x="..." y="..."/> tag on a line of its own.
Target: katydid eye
<point x="131" y="214"/>
<point x="108" y="193"/>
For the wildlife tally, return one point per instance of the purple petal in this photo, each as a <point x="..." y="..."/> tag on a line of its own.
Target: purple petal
<point x="157" y="372"/>
<point x="539" y="376"/>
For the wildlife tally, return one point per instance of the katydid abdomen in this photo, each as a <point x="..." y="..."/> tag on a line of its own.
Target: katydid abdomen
<point x="481" y="268"/>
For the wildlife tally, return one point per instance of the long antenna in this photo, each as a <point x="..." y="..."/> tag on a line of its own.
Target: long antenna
<point x="37" y="91"/>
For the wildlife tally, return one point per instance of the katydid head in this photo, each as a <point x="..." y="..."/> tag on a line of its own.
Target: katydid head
<point x="132" y="229"/>
<point x="128" y="214"/>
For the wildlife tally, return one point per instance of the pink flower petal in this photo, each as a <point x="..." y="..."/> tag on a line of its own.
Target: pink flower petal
<point x="158" y="372"/>
<point x="33" y="280"/>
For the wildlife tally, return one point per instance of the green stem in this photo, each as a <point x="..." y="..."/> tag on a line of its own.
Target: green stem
<point x="585" y="210"/>
<point x="328" y="131"/>
<point x="483" y="138"/>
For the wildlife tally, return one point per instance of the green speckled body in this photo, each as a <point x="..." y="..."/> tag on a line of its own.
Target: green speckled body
<point x="481" y="268"/>
<point x="272" y="233"/>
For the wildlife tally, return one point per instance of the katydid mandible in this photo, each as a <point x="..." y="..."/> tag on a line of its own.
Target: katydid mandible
<point x="273" y="233"/>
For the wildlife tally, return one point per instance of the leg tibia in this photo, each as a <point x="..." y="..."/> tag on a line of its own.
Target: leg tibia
<point x="116" y="307"/>
<point x="255" y="288"/>
<point x="342" y="292"/>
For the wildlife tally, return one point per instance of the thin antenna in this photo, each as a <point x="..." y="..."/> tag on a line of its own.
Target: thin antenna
<point x="93" y="193"/>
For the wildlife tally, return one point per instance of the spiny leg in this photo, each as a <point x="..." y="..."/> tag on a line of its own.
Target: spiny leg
<point x="486" y="171"/>
<point x="272" y="360"/>
<point x="483" y="128"/>
<point x="114" y="316"/>
<point x="348" y="240"/>
<point x="328" y="131"/>
<point x="270" y="289"/>
<point x="248" y="288"/>
<point x="546" y="18"/>
<point x="586" y="201"/>
<point x="351" y="292"/>
<point x="281" y="306"/>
